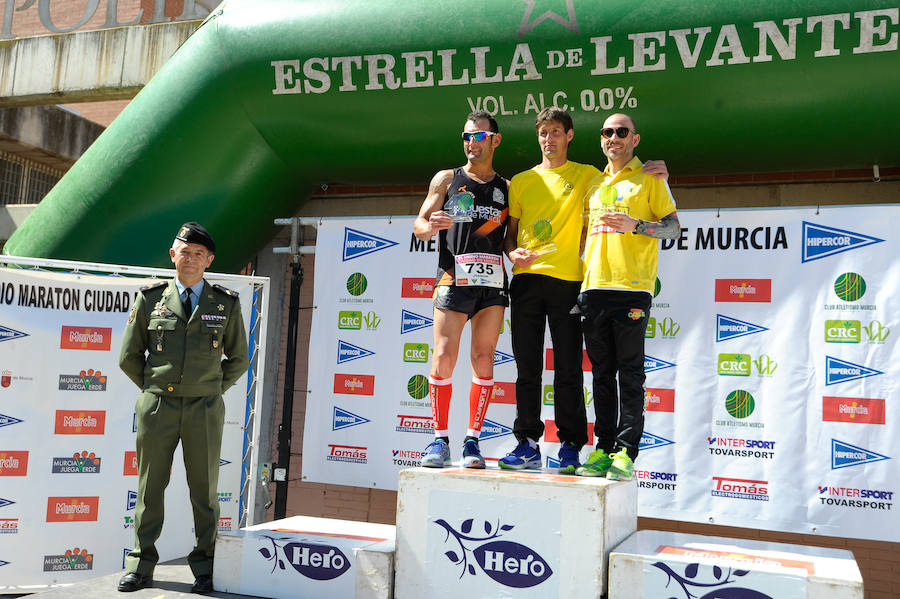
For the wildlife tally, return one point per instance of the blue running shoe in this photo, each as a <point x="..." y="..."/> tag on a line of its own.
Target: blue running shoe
<point x="472" y="454"/>
<point x="568" y="458"/>
<point x="522" y="457"/>
<point x="436" y="455"/>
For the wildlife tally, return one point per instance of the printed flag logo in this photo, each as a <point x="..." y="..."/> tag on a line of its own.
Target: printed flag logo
<point x="820" y="241"/>
<point x="8" y="334"/>
<point x="72" y="509"/>
<point x="410" y="321"/>
<point x="650" y="441"/>
<point x="343" y="419"/>
<point x="80" y="422"/>
<point x="129" y="466"/>
<point x="731" y="328"/>
<point x="863" y="410"/>
<point x="354" y="384"/>
<point x="659" y="400"/>
<point x="91" y="338"/>
<point x="504" y="393"/>
<point x="501" y="358"/>
<point x="13" y="463"/>
<point x="8" y="420"/>
<point x="357" y="243"/>
<point x="844" y="455"/>
<point x="651" y="364"/>
<point x="840" y="371"/>
<point x="348" y="352"/>
<point x="492" y="430"/>
<point x="423" y="287"/>
<point x="744" y="290"/>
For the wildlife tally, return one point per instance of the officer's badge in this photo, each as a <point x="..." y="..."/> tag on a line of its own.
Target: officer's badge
<point x="221" y="307"/>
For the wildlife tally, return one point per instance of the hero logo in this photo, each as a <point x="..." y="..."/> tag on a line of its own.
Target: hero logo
<point x="731" y="328"/>
<point x="741" y="488"/>
<point x="8" y="420"/>
<point x="651" y="364"/>
<point x="508" y="563"/>
<point x="357" y="244"/>
<point x="844" y="455"/>
<point x="492" y="430"/>
<point x="501" y="358"/>
<point x="8" y="334"/>
<point x="318" y="562"/>
<point x="348" y="352"/>
<point x="410" y="321"/>
<point x="820" y="241"/>
<point x="343" y="419"/>
<point x="650" y="441"/>
<point x="840" y="371"/>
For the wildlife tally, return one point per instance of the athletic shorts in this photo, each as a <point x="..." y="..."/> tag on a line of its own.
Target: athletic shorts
<point x="468" y="300"/>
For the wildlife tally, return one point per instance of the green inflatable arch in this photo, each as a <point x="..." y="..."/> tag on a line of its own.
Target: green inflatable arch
<point x="270" y="98"/>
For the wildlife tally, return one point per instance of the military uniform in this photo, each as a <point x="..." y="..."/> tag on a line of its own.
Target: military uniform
<point x="176" y="360"/>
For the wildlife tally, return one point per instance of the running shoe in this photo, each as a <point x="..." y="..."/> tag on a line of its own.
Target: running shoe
<point x="568" y="458"/>
<point x="436" y="455"/>
<point x="597" y="464"/>
<point x="622" y="468"/>
<point x="522" y="457"/>
<point x="472" y="455"/>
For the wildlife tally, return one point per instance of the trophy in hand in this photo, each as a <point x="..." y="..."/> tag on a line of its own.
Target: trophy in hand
<point x="536" y="237"/>
<point x="461" y="206"/>
<point x="601" y="201"/>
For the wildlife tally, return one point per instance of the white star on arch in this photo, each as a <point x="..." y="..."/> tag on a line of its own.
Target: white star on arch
<point x="525" y="27"/>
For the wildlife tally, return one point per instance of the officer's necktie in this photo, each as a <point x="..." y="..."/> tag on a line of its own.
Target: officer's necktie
<point x="187" y="302"/>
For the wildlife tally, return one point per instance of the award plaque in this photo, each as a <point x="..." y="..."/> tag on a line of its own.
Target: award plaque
<point x="536" y="237"/>
<point x="461" y="206"/>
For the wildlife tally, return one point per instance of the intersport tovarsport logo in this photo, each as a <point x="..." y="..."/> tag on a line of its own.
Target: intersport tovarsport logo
<point x="359" y="243"/>
<point x="820" y="241"/>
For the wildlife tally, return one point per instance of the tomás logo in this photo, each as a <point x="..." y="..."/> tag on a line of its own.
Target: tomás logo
<point x="728" y="327"/>
<point x="8" y="334"/>
<point x="651" y="441"/>
<point x="341" y="418"/>
<point x="318" y="562"/>
<point x="651" y="364"/>
<point x="492" y="430"/>
<point x="841" y="371"/>
<point x="844" y="455"/>
<point x="820" y="241"/>
<point x="357" y="244"/>
<point x="410" y="321"/>
<point x="348" y="352"/>
<point x="509" y="563"/>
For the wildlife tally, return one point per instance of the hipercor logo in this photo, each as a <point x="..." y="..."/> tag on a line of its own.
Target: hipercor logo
<point x="9" y="420"/>
<point x="421" y="287"/>
<point x="820" y="241"/>
<point x="502" y="358"/>
<point x="13" y="463"/>
<point x="80" y="422"/>
<point x="743" y="290"/>
<point x="844" y="455"/>
<point x="659" y="400"/>
<point x="92" y="338"/>
<point x="5" y="502"/>
<point x="348" y="352"/>
<point x="492" y="430"/>
<point x="130" y="501"/>
<point x="841" y="371"/>
<point x="341" y="418"/>
<point x="72" y="509"/>
<point x="8" y="334"/>
<point x="410" y="321"/>
<point x="862" y="410"/>
<point x="354" y="384"/>
<point x="651" y="364"/>
<point x="358" y="243"/>
<point x="651" y="441"/>
<point x="728" y="327"/>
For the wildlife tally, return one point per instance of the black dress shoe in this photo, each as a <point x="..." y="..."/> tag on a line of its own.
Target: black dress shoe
<point x="134" y="581"/>
<point x="202" y="585"/>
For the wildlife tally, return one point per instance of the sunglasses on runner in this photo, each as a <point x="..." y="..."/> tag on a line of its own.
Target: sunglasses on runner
<point x="621" y="132"/>
<point x="476" y="135"/>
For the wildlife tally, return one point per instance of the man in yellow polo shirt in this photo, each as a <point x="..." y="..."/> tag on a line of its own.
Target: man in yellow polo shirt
<point x="628" y="212"/>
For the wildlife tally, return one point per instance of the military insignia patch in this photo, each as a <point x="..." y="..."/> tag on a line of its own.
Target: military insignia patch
<point x="131" y="316"/>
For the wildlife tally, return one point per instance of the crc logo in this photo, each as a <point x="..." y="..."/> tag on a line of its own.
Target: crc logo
<point x="318" y="562"/>
<point x="728" y="327"/>
<point x="651" y="441"/>
<point x="740" y="365"/>
<point x="410" y="321"/>
<point x="341" y="418"/>
<point x="841" y="371"/>
<point x="842" y="331"/>
<point x="668" y="328"/>
<point x="850" y="287"/>
<point x="820" y="241"/>
<point x="358" y="244"/>
<point x="8" y="334"/>
<point x="511" y="564"/>
<point x="844" y="455"/>
<point x="352" y="320"/>
<point x="415" y="352"/>
<point x="348" y="352"/>
<point x="651" y="364"/>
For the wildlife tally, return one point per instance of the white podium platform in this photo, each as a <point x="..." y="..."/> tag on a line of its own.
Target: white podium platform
<point x="491" y="533"/>
<point x="307" y="558"/>
<point x="653" y="565"/>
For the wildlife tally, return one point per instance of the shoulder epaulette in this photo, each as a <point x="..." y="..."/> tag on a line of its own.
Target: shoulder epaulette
<point x="153" y="286"/>
<point x="225" y="290"/>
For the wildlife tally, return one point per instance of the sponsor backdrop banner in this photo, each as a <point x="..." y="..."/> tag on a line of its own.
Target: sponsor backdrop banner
<point x="68" y="472"/>
<point x="769" y="361"/>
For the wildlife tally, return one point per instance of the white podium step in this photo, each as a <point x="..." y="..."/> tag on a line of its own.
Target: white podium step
<point x="307" y="558"/>
<point x="490" y="533"/>
<point x="652" y="564"/>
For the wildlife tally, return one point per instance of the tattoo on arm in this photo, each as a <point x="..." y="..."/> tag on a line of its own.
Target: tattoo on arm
<point x="667" y="228"/>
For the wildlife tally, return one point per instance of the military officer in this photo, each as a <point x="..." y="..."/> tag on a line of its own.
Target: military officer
<point x="173" y="350"/>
